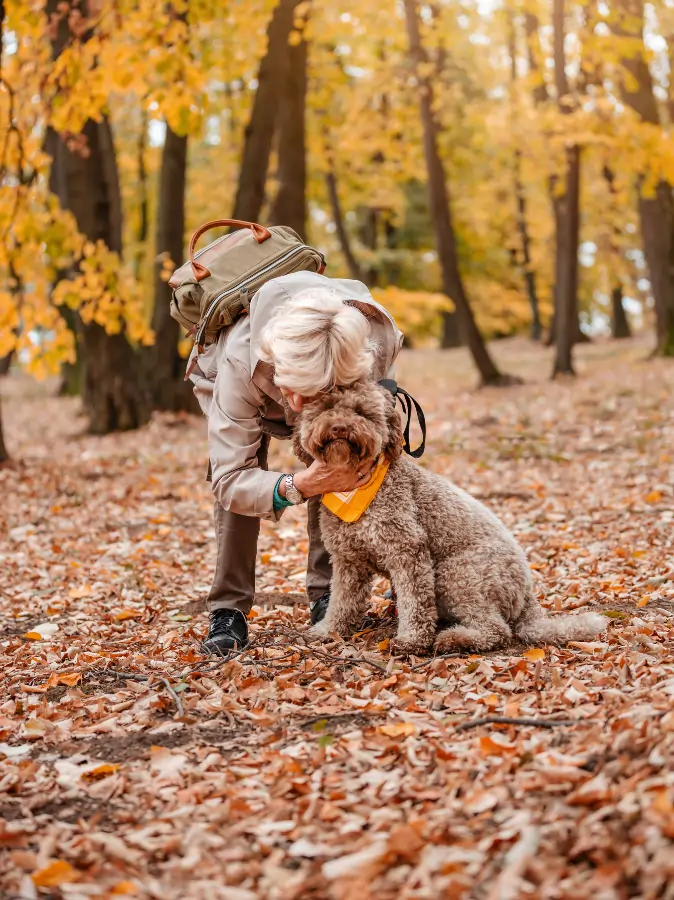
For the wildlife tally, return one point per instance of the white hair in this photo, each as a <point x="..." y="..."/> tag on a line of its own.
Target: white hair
<point x="315" y="342"/>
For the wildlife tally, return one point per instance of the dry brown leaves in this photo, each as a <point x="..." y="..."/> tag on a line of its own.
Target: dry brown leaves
<point x="131" y="767"/>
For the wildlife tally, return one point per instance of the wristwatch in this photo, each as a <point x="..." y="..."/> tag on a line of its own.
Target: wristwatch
<point x="292" y="494"/>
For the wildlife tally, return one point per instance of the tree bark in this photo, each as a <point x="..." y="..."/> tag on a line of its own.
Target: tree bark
<point x="656" y="209"/>
<point x="6" y="362"/>
<point x="520" y="198"/>
<point x="440" y="207"/>
<point x="567" y="220"/>
<point x="620" y="326"/>
<point x="165" y="366"/>
<point x="114" y="392"/>
<point x="262" y="124"/>
<point x="340" y="226"/>
<point x="290" y="204"/>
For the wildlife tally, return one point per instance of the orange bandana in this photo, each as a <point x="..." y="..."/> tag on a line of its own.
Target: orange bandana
<point x="350" y="506"/>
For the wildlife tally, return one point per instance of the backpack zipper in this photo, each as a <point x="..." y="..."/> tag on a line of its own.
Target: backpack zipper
<point x="238" y="287"/>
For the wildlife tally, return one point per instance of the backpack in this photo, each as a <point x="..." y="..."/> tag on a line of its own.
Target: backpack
<point x="216" y="285"/>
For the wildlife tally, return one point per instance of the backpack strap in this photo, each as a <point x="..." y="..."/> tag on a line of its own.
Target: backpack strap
<point x="407" y="401"/>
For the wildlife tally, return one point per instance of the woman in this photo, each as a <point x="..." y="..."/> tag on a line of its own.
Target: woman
<point x="319" y="332"/>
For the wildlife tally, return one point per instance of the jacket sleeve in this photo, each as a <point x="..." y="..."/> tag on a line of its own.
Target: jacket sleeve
<point x="234" y="437"/>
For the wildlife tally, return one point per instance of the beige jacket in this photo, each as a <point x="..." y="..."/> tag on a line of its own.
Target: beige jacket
<point x="235" y="389"/>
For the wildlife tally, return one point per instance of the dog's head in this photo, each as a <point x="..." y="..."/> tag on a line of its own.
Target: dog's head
<point x="351" y="424"/>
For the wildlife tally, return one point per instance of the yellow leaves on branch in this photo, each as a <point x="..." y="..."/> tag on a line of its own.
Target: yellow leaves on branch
<point x="104" y="291"/>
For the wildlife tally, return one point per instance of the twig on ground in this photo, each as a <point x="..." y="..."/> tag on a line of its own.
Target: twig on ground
<point x="115" y="674"/>
<point x="352" y="660"/>
<point x="427" y="662"/>
<point x="331" y="717"/>
<point x="130" y="676"/>
<point x="176" y="699"/>
<point x="507" y="720"/>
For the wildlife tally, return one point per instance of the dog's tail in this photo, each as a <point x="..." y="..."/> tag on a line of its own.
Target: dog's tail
<point x="536" y="626"/>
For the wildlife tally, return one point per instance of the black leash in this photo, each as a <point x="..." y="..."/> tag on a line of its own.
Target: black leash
<point x="407" y="401"/>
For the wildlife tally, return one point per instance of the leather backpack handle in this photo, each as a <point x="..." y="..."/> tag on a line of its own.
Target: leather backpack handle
<point x="260" y="233"/>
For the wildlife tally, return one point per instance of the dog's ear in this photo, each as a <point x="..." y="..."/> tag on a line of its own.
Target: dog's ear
<point x="298" y="449"/>
<point x="393" y="443"/>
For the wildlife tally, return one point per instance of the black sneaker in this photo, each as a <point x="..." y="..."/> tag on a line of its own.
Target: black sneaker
<point x="318" y="608"/>
<point x="227" y="630"/>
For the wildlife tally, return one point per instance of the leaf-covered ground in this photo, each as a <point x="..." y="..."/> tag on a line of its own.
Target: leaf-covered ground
<point x="131" y="766"/>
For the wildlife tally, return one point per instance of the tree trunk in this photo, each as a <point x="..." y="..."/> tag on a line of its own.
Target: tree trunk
<point x="6" y="362"/>
<point x="290" y="203"/>
<point x="340" y="226"/>
<point x="440" y="207"/>
<point x="262" y="124"/>
<point x="567" y="220"/>
<point x="520" y="198"/>
<point x="620" y="326"/>
<point x="165" y="366"/>
<point x="566" y="265"/>
<point x="114" y="392"/>
<point x="656" y="211"/>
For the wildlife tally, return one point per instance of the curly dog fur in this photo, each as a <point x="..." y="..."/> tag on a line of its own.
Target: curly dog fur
<point x="447" y="556"/>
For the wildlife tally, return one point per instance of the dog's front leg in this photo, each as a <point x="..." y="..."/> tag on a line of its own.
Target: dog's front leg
<point x="350" y="592"/>
<point x="414" y="583"/>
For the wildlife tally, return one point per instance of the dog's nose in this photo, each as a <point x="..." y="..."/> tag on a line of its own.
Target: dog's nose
<point x="338" y="431"/>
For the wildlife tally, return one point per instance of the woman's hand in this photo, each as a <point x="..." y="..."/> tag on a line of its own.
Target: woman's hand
<point x="320" y="478"/>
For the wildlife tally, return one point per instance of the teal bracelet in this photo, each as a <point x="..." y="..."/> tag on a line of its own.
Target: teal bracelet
<point x="279" y="501"/>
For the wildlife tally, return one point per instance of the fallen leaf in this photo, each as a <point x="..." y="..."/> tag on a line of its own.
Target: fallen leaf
<point x="100" y="771"/>
<point x="124" y="614"/>
<point x="42" y="632"/>
<point x="534" y="654"/>
<point x="643" y="601"/>
<point x="55" y="874"/>
<point x="70" y="679"/>
<point x="383" y="646"/>
<point x="400" y="729"/>
<point x="495" y="744"/>
<point x="589" y="646"/>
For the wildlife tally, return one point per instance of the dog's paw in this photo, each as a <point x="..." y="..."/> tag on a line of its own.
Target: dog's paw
<point x="318" y="632"/>
<point x="411" y="646"/>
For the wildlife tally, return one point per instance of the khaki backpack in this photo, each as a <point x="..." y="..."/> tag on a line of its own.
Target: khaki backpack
<point x="217" y="284"/>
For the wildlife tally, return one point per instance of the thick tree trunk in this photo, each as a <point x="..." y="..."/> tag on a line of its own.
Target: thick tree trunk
<point x="567" y="219"/>
<point x="166" y="368"/>
<point x="114" y="391"/>
<point x="655" y="212"/>
<point x="262" y="124"/>
<point x="440" y="207"/>
<point x="340" y="226"/>
<point x="620" y="326"/>
<point x="290" y="203"/>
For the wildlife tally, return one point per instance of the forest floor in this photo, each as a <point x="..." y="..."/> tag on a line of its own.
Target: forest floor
<point x="132" y="766"/>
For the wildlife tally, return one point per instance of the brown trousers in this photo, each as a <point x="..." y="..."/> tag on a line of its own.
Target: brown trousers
<point x="236" y="547"/>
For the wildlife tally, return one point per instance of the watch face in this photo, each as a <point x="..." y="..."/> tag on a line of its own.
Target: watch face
<point x="292" y="493"/>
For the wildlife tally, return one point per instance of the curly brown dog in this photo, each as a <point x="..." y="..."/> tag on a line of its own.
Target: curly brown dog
<point x="448" y="557"/>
